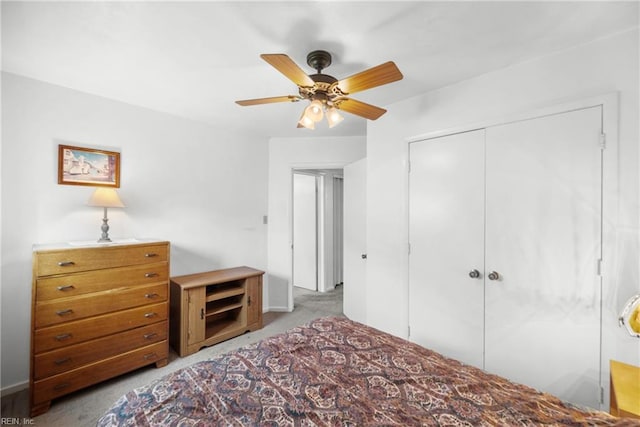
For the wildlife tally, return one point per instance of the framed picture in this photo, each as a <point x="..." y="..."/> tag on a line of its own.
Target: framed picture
<point x="86" y="166"/>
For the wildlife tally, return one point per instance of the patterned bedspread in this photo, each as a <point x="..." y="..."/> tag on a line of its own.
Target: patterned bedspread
<point x="336" y="372"/>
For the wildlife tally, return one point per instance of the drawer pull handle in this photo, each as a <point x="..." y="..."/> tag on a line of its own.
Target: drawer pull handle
<point x="150" y="336"/>
<point x="150" y="255"/>
<point x="64" y="312"/>
<point x="151" y="274"/>
<point x="150" y="315"/>
<point x="66" y="263"/>
<point x="151" y="296"/>
<point x="62" y="337"/>
<point x="62" y="361"/>
<point x="61" y="386"/>
<point x="150" y="356"/>
<point x="66" y="287"/>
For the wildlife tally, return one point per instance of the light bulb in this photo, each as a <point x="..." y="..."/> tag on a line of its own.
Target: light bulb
<point x="333" y="117"/>
<point x="306" y="121"/>
<point x="314" y="111"/>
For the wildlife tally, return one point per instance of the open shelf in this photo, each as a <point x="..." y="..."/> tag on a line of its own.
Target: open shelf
<point x="222" y="307"/>
<point x="219" y="294"/>
<point x="223" y="322"/>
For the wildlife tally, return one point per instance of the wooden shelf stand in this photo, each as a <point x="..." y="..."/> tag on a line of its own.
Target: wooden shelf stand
<point x="210" y="307"/>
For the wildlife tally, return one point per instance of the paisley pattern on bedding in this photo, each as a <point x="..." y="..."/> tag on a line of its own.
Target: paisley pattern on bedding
<point x="336" y="372"/>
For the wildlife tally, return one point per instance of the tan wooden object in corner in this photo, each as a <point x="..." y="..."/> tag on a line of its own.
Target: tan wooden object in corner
<point x="625" y="390"/>
<point x="98" y="311"/>
<point x="210" y="307"/>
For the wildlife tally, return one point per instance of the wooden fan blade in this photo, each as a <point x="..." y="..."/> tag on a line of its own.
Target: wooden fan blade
<point x="258" y="101"/>
<point x="376" y="76"/>
<point x="360" y="108"/>
<point x="286" y="66"/>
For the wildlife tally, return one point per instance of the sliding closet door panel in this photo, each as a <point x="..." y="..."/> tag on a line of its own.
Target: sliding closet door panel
<point x="446" y="231"/>
<point x="543" y="205"/>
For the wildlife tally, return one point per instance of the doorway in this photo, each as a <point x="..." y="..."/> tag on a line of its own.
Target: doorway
<point x="317" y="242"/>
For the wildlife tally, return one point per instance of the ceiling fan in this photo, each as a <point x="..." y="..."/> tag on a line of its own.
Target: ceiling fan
<point x="325" y="92"/>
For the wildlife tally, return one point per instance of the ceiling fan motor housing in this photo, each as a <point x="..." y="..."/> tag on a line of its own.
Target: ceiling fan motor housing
<point x="319" y="60"/>
<point x="322" y="89"/>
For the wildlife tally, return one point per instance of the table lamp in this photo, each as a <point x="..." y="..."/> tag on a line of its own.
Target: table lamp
<point x="630" y="316"/>
<point x="105" y="198"/>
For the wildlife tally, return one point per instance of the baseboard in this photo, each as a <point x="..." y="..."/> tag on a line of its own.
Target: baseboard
<point x="14" y="388"/>
<point x="279" y="309"/>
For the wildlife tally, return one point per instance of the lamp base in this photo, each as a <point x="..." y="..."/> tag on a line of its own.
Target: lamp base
<point x="105" y="229"/>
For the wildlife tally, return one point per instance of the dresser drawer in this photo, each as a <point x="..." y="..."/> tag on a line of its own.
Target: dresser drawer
<point x="58" y="385"/>
<point x="78" y="331"/>
<point x="67" y="309"/>
<point x="85" y="259"/>
<point x="53" y="287"/>
<point x="74" y="356"/>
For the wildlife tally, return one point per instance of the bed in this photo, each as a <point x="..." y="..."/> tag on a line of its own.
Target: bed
<point x="336" y="372"/>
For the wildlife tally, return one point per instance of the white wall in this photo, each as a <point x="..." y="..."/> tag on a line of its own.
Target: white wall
<point x="284" y="155"/>
<point x="600" y="67"/>
<point x="202" y="188"/>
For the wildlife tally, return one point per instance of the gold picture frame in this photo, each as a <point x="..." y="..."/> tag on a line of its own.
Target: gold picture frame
<point x="88" y="166"/>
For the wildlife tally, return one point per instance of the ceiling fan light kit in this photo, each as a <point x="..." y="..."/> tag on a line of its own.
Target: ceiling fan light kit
<point x="327" y="94"/>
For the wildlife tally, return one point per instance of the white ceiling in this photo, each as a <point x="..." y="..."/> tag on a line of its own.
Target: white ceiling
<point x="194" y="59"/>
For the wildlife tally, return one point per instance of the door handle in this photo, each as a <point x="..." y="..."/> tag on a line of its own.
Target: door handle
<point x="363" y="256"/>
<point x="474" y="274"/>
<point x="494" y="275"/>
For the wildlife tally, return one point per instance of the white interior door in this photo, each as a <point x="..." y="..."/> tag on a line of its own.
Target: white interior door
<point x="446" y="221"/>
<point x="305" y="232"/>
<point x="355" y="241"/>
<point x="543" y="237"/>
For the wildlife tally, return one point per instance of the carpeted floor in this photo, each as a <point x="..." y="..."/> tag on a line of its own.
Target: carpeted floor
<point x="84" y="407"/>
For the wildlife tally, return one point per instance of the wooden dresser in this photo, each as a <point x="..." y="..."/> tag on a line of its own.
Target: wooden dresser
<point x="97" y="311"/>
<point x="210" y="307"/>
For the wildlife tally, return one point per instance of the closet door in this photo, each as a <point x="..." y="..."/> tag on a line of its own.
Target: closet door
<point x="446" y="229"/>
<point x="543" y="238"/>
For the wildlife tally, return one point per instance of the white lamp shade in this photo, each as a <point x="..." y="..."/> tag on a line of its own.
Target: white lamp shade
<point x="305" y="121"/>
<point x="333" y="117"/>
<point x="314" y="111"/>
<point x="105" y="198"/>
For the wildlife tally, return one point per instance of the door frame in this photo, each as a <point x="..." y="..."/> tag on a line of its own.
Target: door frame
<point x="338" y="231"/>
<point x="609" y="209"/>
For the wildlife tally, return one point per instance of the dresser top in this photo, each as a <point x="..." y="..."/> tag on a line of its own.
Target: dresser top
<point x="79" y="244"/>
